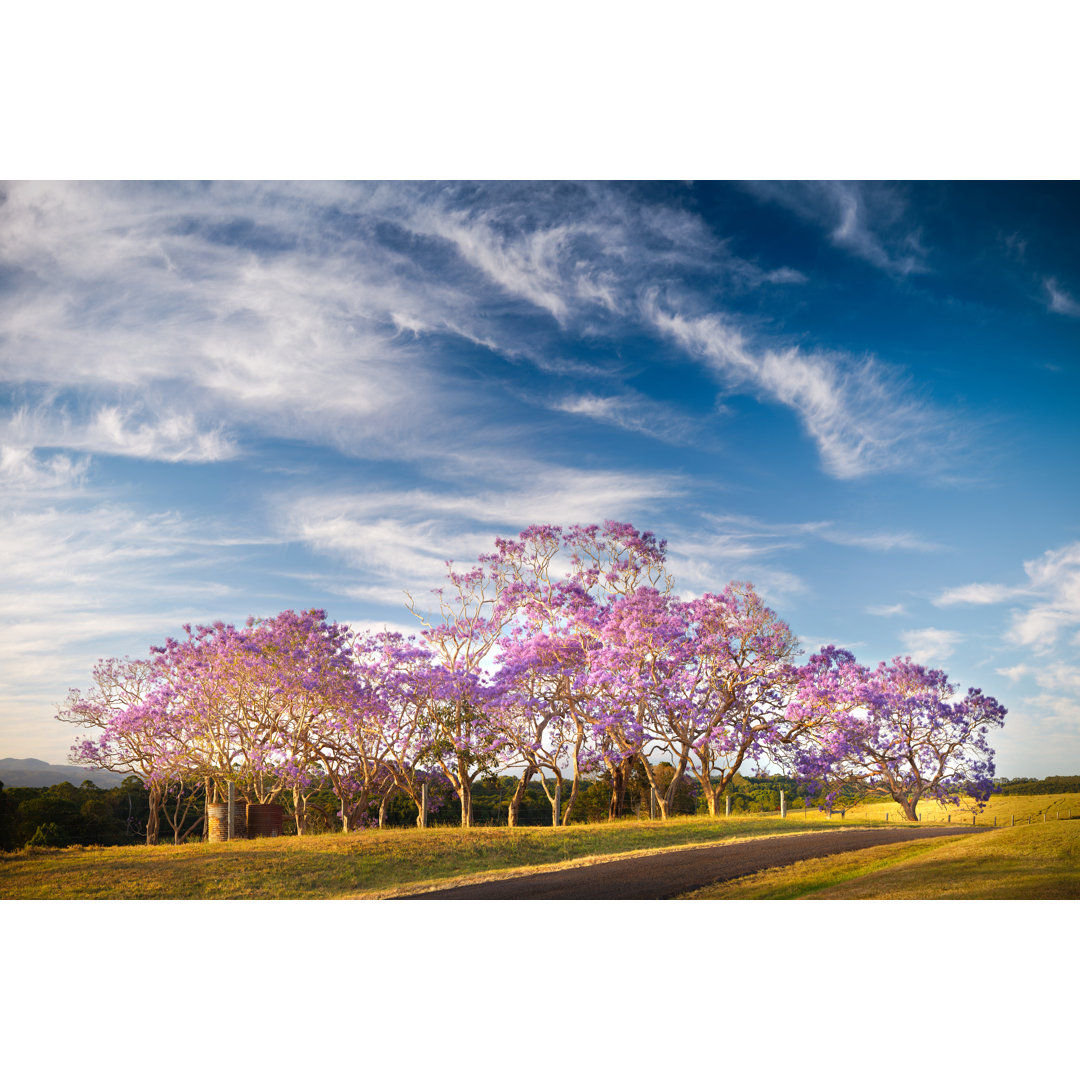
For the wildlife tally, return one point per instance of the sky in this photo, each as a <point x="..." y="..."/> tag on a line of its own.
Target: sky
<point x="222" y="400"/>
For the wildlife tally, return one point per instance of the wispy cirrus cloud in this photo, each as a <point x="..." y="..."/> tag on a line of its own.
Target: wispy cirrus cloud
<point x="828" y="531"/>
<point x="886" y="610"/>
<point x="126" y="432"/>
<point x="861" y="413"/>
<point x="401" y="539"/>
<point x="192" y="319"/>
<point x="83" y="567"/>
<point x="632" y="412"/>
<point x="1060" y="301"/>
<point x="26" y="475"/>
<point x="866" y="219"/>
<point x="976" y="593"/>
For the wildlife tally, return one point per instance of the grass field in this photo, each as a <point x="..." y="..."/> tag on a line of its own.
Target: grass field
<point x="369" y="863"/>
<point x="1029" y="862"/>
<point x="1003" y="808"/>
<point x="377" y="863"/>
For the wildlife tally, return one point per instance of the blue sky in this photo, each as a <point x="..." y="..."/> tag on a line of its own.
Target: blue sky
<point x="230" y="399"/>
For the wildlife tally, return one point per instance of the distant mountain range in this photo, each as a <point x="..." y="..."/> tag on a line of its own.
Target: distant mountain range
<point x="30" y="772"/>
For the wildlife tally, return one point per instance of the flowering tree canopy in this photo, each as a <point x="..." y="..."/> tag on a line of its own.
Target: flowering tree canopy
<point x="900" y="730"/>
<point x="562" y="652"/>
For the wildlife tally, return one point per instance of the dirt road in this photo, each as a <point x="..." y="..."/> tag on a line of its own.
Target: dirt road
<point x="662" y="876"/>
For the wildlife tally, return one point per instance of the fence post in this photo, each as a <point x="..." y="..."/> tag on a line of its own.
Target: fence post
<point x="1012" y="819"/>
<point x="558" y="802"/>
<point x="232" y="811"/>
<point x="948" y="820"/>
<point x="783" y="804"/>
<point x="727" y="806"/>
<point x="886" y="817"/>
<point x="652" y="803"/>
<point x="423" y="806"/>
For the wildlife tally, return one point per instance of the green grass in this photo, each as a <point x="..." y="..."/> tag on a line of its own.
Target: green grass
<point x="1030" y="862"/>
<point x="369" y="863"/>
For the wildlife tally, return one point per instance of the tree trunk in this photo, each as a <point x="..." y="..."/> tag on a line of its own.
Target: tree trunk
<point x="152" y="819"/>
<point x="673" y="788"/>
<point x="617" y="807"/>
<point x="515" y="803"/>
<point x="576" y="785"/>
<point x="654" y="787"/>
<point x="299" y="809"/>
<point x="465" y="794"/>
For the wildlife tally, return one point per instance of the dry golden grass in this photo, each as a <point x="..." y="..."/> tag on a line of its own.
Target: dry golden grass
<point x="370" y="863"/>
<point x="1000" y="810"/>
<point x="1029" y="862"/>
<point x="380" y="863"/>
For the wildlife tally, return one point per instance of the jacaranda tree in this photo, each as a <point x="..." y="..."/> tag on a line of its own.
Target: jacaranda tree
<point x="899" y="730"/>
<point x="563" y="652"/>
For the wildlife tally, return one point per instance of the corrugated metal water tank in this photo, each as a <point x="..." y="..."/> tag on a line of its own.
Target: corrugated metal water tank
<point x="263" y="820"/>
<point x="218" y="817"/>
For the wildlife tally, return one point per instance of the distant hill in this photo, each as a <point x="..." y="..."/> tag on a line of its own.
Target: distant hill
<point x="30" y="772"/>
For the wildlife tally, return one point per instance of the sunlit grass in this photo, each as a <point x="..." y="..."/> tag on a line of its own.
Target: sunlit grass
<point x="1001" y="810"/>
<point x="364" y="863"/>
<point x="374" y="862"/>
<point x="1029" y="862"/>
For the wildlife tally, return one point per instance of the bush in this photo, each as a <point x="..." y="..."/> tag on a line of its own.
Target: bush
<point x="47" y="835"/>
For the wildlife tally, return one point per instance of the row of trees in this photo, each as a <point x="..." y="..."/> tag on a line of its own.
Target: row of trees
<point x="562" y="653"/>
<point x="63" y="814"/>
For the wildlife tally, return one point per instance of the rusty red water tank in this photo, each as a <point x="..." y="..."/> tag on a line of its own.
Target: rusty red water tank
<point x="263" y="819"/>
<point x="218" y="819"/>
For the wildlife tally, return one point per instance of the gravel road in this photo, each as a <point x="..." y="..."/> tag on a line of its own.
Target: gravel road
<point x="662" y="876"/>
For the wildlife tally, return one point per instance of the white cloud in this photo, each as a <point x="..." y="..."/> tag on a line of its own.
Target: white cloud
<point x="828" y="531"/>
<point x="732" y="549"/>
<point x="401" y="539"/>
<point x="976" y="593"/>
<point x="1059" y="300"/>
<point x="631" y="412"/>
<point x="85" y="575"/>
<point x="317" y="311"/>
<point x="1058" y="676"/>
<point x="867" y="220"/>
<point x="24" y="474"/>
<point x="1055" y="577"/>
<point x="1052" y="593"/>
<point x="1016" y="672"/>
<point x="905" y="541"/>
<point x="859" y="412"/>
<point x="886" y="610"/>
<point x="111" y="429"/>
<point x="930" y="645"/>
<point x="1055" y="713"/>
<point x="232" y="305"/>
